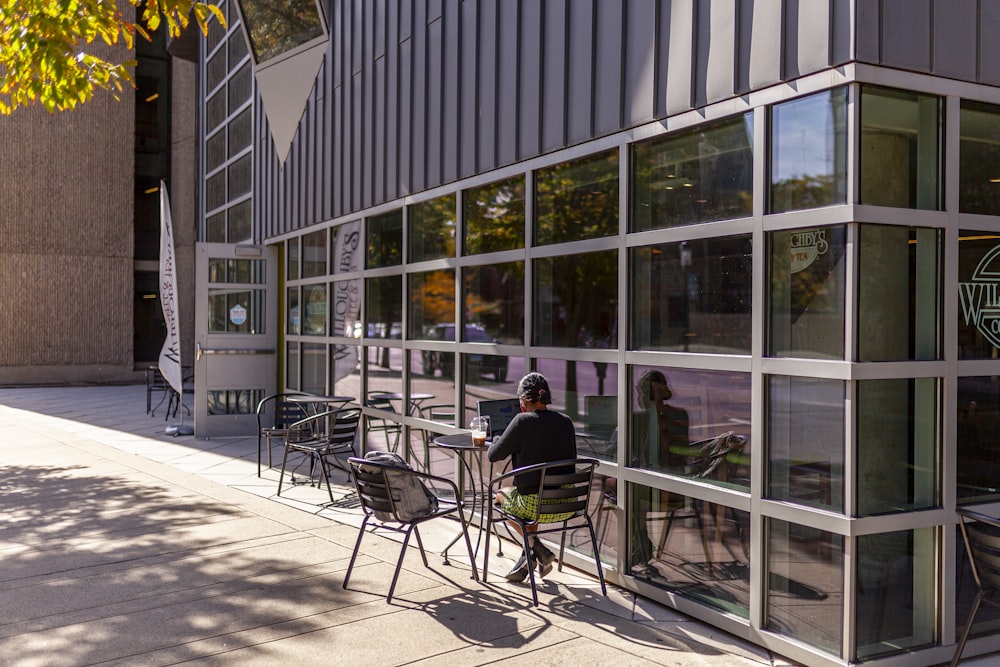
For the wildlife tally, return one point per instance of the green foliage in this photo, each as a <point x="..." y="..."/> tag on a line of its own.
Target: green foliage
<point x="57" y="52"/>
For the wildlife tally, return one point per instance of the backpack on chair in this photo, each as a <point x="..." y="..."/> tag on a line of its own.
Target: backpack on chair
<point x="412" y="499"/>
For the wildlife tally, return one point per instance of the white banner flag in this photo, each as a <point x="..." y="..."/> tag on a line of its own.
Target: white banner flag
<point x="170" y="354"/>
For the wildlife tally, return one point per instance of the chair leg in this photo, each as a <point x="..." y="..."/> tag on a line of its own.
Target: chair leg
<point x="420" y="545"/>
<point x="529" y="558"/>
<point x="354" y="554"/>
<point x="597" y="556"/>
<point x="968" y="626"/>
<point x="399" y="563"/>
<point x="281" y="475"/>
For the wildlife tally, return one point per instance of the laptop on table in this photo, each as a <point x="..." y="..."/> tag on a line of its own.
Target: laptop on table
<point x="501" y="412"/>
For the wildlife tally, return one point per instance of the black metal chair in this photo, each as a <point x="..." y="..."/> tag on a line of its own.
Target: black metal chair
<point x="380" y="488"/>
<point x="563" y="487"/>
<point x="321" y="438"/>
<point x="981" y="534"/>
<point x="275" y="413"/>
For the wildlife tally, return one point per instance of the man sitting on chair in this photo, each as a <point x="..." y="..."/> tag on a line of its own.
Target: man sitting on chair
<point x="537" y="435"/>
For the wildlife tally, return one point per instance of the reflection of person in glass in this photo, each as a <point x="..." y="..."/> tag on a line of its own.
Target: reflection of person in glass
<point x="656" y="425"/>
<point x="537" y="435"/>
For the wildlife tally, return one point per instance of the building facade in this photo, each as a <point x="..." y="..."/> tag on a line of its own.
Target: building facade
<point x="80" y="225"/>
<point x="751" y="245"/>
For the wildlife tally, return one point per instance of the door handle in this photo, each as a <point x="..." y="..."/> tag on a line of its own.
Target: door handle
<point x="230" y="350"/>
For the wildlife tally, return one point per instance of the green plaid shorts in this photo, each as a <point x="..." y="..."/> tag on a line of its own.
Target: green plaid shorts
<point x="526" y="506"/>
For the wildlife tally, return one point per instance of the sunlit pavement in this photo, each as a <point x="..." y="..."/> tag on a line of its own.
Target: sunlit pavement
<point x="122" y="545"/>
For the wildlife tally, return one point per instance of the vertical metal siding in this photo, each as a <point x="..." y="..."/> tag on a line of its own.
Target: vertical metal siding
<point x="508" y="61"/>
<point x="529" y="108"/>
<point x="638" y="103"/>
<point x="555" y="52"/>
<point x="417" y="93"/>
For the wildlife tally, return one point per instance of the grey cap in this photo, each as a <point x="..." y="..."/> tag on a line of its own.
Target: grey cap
<point x="535" y="388"/>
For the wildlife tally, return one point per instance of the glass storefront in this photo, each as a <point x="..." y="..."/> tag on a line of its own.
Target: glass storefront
<point x="763" y="366"/>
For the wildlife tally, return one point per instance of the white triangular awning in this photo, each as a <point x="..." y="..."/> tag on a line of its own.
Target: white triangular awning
<point x="284" y="89"/>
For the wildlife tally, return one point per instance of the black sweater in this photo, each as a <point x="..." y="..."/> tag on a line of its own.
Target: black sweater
<point x="541" y="436"/>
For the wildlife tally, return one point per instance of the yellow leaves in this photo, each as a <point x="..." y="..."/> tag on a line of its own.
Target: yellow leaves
<point x="46" y="55"/>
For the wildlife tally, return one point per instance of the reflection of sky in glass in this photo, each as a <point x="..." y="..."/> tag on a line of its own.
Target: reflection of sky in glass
<point x="804" y="136"/>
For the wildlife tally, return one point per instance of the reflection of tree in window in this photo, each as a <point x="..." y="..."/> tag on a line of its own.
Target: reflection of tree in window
<point x="576" y="300"/>
<point x="494" y="217"/>
<point x="577" y="200"/>
<point x="278" y="26"/>
<point x="432" y="300"/>
<point x="432" y="229"/>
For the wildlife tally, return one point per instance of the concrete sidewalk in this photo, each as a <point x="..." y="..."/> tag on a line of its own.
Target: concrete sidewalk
<point x="122" y="546"/>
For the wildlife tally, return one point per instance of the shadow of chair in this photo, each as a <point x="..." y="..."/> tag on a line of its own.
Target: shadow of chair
<point x="381" y="488"/>
<point x="275" y="413"/>
<point x="390" y="428"/>
<point x="981" y="534"/>
<point x="564" y="491"/>
<point x="320" y="438"/>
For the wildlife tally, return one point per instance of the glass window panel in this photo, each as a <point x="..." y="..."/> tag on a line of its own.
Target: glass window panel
<point x="385" y="371"/>
<point x="314" y="368"/>
<point x="240" y="174"/>
<point x="383" y="306"/>
<point x="680" y="419"/>
<point x="896" y="604"/>
<point x="345" y="370"/>
<point x="385" y="239"/>
<point x="978" y="296"/>
<point x="275" y="28"/>
<point x="292" y="258"/>
<point x="432" y="229"/>
<point x="240" y="222"/>
<point x="805" y="441"/>
<point x="292" y="366"/>
<point x="699" y="175"/>
<point x="215" y="191"/>
<point x="240" y="86"/>
<point x="314" y="254"/>
<point x="346" y="308"/>
<point x="215" y="151"/>
<point x="240" y="132"/>
<point x="979" y="157"/>
<point x="809" y="152"/>
<point x="215" y="228"/>
<point x="978" y="439"/>
<point x="692" y="296"/>
<point x="233" y="401"/>
<point x="577" y="200"/>
<point x="807" y="292"/>
<point x="494" y="300"/>
<point x="900" y="149"/>
<point x="899" y="293"/>
<point x="672" y="539"/>
<point x="494" y="216"/>
<point x="576" y="300"/>
<point x="432" y="305"/>
<point x="424" y="381"/>
<point x="898" y="445"/>
<point x="805" y="595"/>
<point x="237" y="271"/>
<point x="292" y="304"/>
<point x="483" y="365"/>
<point x="314" y="298"/>
<point x="987" y="616"/>
<point x="585" y="391"/>
<point x="236" y="311"/>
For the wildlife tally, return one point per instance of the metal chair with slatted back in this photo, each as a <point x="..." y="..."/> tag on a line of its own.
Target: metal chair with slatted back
<point x="321" y="438"/>
<point x="380" y="488"/>
<point x="275" y="413"/>
<point x="564" y="488"/>
<point x="981" y="534"/>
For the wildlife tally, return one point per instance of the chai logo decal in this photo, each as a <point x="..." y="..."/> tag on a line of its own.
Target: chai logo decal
<point x="805" y="247"/>
<point x="980" y="297"/>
